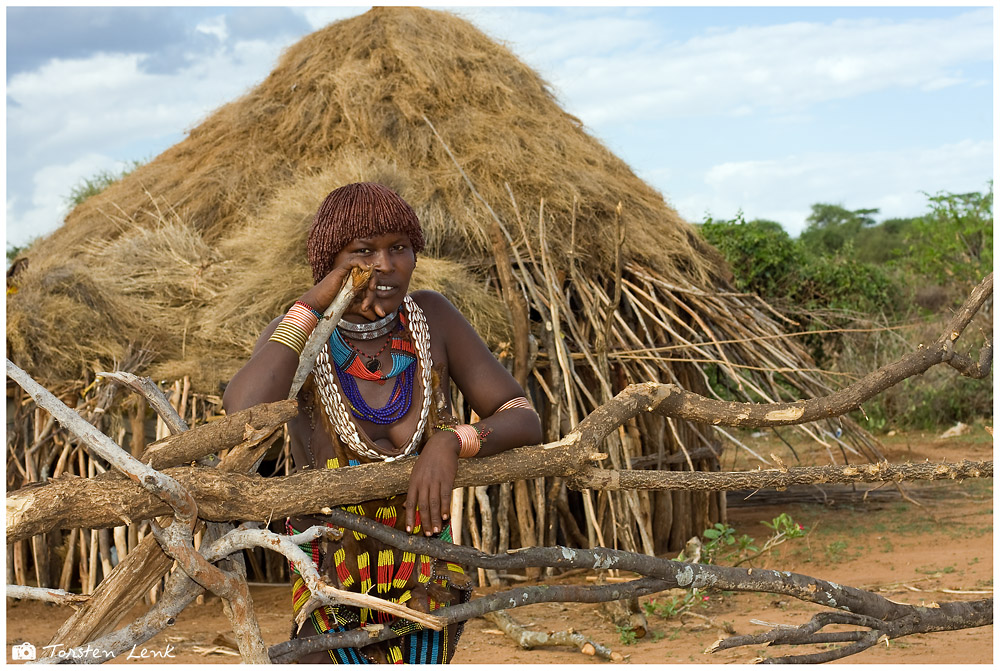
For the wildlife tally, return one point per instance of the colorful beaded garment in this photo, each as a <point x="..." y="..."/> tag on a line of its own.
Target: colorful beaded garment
<point x="354" y="561"/>
<point x="362" y="564"/>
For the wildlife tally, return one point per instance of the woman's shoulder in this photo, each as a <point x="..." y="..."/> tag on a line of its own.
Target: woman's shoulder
<point x="433" y="303"/>
<point x="442" y="316"/>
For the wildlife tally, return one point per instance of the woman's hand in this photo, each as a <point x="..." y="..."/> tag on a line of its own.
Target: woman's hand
<point x="324" y="291"/>
<point x="431" y="483"/>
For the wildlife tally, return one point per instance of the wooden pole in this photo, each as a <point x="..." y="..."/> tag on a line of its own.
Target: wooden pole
<point x="66" y="575"/>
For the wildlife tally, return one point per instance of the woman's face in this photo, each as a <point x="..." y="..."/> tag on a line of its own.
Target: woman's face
<point x="393" y="259"/>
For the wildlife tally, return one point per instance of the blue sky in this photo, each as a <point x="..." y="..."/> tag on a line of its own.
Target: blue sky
<point x="761" y="109"/>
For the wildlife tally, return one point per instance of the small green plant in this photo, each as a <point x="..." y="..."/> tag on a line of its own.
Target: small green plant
<point x="722" y="536"/>
<point x="835" y="551"/>
<point x="930" y="570"/>
<point x="626" y="635"/>
<point x="673" y="606"/>
<point x="724" y="544"/>
<point x="783" y="525"/>
<point x="91" y="186"/>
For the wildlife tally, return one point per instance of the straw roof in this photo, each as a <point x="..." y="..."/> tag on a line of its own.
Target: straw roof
<point x="194" y="252"/>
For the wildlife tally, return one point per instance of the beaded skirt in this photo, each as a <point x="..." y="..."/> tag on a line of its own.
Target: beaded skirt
<point x="354" y="561"/>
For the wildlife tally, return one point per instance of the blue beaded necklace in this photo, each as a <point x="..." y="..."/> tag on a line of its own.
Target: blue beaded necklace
<point x="348" y="366"/>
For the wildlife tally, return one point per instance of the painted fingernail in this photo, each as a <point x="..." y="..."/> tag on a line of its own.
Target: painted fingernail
<point x="437" y="530"/>
<point x="407" y="528"/>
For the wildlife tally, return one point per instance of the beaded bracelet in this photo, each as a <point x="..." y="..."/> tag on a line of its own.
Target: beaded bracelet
<point x="294" y="329"/>
<point x="468" y="439"/>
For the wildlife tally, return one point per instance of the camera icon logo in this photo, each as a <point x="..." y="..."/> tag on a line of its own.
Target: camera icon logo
<point x="25" y="651"/>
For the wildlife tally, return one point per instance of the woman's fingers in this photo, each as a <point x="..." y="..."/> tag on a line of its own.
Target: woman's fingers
<point x="411" y="507"/>
<point x="446" y="488"/>
<point x="434" y="523"/>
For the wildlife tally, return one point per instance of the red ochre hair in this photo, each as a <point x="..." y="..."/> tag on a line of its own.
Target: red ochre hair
<point x="354" y="211"/>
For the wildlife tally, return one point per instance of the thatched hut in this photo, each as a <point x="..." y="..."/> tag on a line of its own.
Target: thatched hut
<point x="175" y="269"/>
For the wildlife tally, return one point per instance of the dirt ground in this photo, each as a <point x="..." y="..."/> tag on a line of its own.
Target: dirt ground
<point x="940" y="550"/>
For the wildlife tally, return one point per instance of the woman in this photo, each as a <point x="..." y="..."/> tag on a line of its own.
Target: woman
<point x="381" y="389"/>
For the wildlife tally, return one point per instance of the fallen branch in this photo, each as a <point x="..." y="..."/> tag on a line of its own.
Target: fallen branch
<point x="46" y="594"/>
<point x="528" y="639"/>
<point x="891" y="619"/>
<point x="245" y="538"/>
<point x="291" y="651"/>
<point x="948" y="617"/>
<point x="151" y="392"/>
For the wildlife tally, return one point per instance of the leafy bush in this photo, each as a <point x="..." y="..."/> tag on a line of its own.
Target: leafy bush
<point x="953" y="243"/>
<point x="763" y="257"/>
<point x="848" y="270"/>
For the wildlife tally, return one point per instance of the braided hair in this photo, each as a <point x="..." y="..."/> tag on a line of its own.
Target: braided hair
<point x="355" y="211"/>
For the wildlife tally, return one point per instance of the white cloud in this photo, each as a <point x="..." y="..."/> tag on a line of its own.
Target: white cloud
<point x="67" y="108"/>
<point x="777" y="68"/>
<point x="215" y="25"/>
<point x="51" y="185"/>
<point x="783" y="189"/>
<point x="320" y="17"/>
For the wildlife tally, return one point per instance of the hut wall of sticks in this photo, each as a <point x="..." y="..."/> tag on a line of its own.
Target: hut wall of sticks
<point x="576" y="273"/>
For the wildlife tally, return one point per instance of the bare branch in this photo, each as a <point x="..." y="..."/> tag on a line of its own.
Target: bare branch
<point x="595" y="478"/>
<point x="47" y="594"/>
<point x="223" y="496"/>
<point x="528" y="639"/>
<point x="290" y="651"/>
<point x="243" y="538"/>
<point x="153" y="395"/>
<point x="163" y="487"/>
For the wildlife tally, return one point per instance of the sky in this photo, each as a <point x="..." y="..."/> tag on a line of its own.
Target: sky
<point x="762" y="111"/>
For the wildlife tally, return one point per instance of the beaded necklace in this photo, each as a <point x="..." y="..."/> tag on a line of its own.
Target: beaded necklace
<point x="348" y="358"/>
<point x="334" y="407"/>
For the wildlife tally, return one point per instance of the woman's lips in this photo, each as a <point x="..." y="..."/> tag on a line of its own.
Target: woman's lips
<point x="385" y="290"/>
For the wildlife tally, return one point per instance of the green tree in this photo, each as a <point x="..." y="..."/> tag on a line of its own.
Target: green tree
<point x="830" y="227"/>
<point x="953" y="243"/>
<point x="884" y="242"/>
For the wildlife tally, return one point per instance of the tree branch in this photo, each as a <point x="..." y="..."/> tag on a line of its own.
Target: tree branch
<point x="47" y="594"/>
<point x="288" y="546"/>
<point x="290" y="651"/>
<point x="148" y="390"/>
<point x="357" y="278"/>
<point x="69" y="502"/>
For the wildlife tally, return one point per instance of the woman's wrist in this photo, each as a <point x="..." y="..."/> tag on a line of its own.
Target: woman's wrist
<point x="470" y="439"/>
<point x="295" y="327"/>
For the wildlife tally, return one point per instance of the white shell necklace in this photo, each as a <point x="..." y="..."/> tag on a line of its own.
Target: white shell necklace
<point x="334" y="407"/>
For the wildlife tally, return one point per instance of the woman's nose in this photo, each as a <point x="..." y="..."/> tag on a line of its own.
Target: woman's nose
<point x="382" y="261"/>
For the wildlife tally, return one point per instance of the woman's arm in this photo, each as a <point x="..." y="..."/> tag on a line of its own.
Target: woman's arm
<point x="487" y="385"/>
